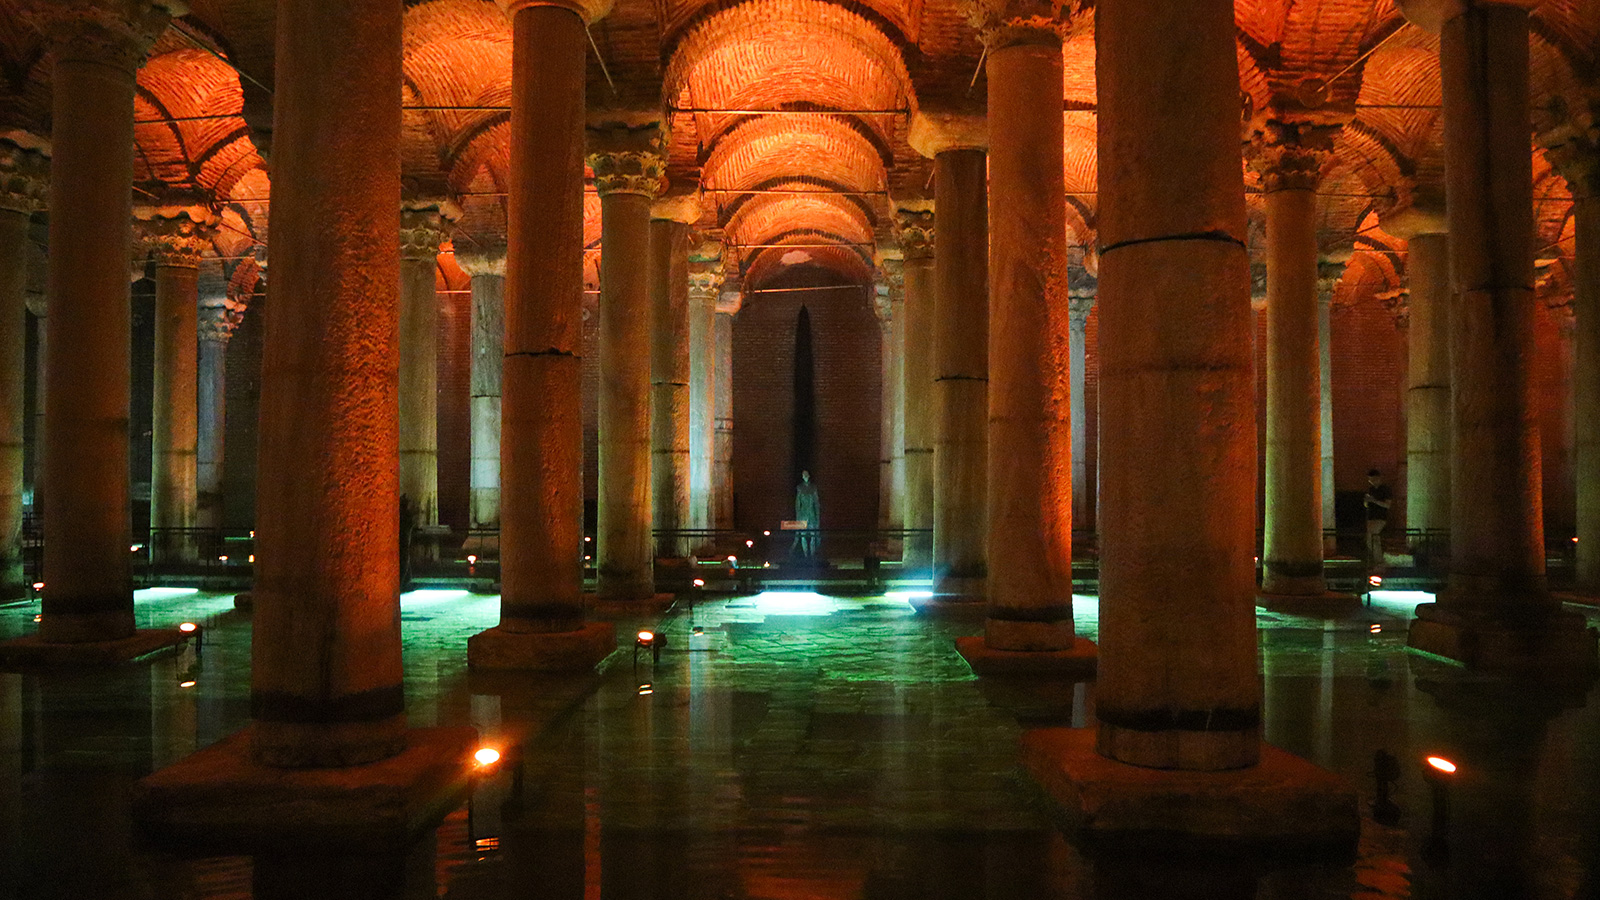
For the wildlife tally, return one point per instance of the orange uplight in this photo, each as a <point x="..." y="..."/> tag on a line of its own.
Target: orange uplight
<point x="1375" y="580"/>
<point x="1443" y="765"/>
<point x="222" y="558"/>
<point x="38" y="585"/>
<point x="646" y="637"/>
<point x="749" y="543"/>
<point x="766" y="534"/>
<point x="472" y="559"/>
<point x="252" y="558"/>
<point x="486" y="757"/>
<point x="733" y="560"/>
<point x="186" y="684"/>
<point x="699" y="582"/>
<point x="1375" y="628"/>
<point x="38" y="618"/>
<point x="188" y="627"/>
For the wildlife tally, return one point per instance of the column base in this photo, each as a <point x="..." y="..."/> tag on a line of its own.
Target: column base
<point x="558" y="651"/>
<point x="1282" y="806"/>
<point x="605" y="608"/>
<point x="1078" y="662"/>
<point x="1578" y="596"/>
<point x="219" y="801"/>
<point x="1327" y="604"/>
<point x="31" y="653"/>
<point x="950" y="606"/>
<point x="244" y="600"/>
<point x="1559" y="646"/>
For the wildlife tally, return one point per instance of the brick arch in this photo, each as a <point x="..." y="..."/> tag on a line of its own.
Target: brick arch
<point x="765" y="265"/>
<point x="768" y="215"/>
<point x="1080" y="162"/>
<point x="823" y="147"/>
<point x="207" y="153"/>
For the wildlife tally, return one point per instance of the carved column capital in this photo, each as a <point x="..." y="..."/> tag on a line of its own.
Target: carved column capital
<point x="1258" y="286"/>
<point x="591" y="11"/>
<point x="24" y="176"/>
<point x="883" y="306"/>
<point x="629" y="156"/>
<point x="482" y="261"/>
<point x="705" y="272"/>
<point x="1289" y="155"/>
<point x="1329" y="274"/>
<point x="1008" y="23"/>
<point x="219" y="318"/>
<point x="176" y="235"/>
<point x="117" y="33"/>
<point x="914" y="226"/>
<point x="424" y="225"/>
<point x="934" y="131"/>
<point x="1570" y="135"/>
<point x="1078" y="309"/>
<point x="1398" y="304"/>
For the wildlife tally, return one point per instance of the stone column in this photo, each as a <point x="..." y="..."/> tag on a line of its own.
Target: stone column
<point x="488" y="271"/>
<point x="1428" y="368"/>
<point x="326" y="676"/>
<point x="423" y="227"/>
<point x="1030" y="380"/>
<point x="24" y="182"/>
<point x="889" y="378"/>
<point x="1078" y="309"/>
<point x="705" y="284"/>
<point x="175" y="236"/>
<point x="1586" y="377"/>
<point x="1328" y="276"/>
<point x="629" y="171"/>
<point x="217" y="324"/>
<point x="669" y="369"/>
<point x="97" y="47"/>
<point x="541" y="437"/>
<point x="1497" y="612"/>
<point x="961" y="350"/>
<point x="1289" y="156"/>
<point x="915" y="225"/>
<point x="1178" y="420"/>
<point x="894" y="520"/>
<point x="728" y="305"/>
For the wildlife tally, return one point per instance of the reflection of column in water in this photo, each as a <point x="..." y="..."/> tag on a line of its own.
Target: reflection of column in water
<point x="13" y="756"/>
<point x="1143" y="878"/>
<point x="174" y="688"/>
<point x="1322" y="728"/>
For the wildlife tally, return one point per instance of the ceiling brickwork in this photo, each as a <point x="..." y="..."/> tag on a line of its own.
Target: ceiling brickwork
<point x="794" y="114"/>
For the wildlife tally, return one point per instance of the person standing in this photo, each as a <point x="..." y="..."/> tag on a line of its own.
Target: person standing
<point x="807" y="509"/>
<point x="1377" y="502"/>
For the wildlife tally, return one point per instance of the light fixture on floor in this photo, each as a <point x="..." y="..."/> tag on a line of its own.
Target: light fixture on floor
<point x="648" y="640"/>
<point x="1439" y="773"/>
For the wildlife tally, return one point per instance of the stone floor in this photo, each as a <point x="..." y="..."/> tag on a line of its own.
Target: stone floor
<point x="821" y="748"/>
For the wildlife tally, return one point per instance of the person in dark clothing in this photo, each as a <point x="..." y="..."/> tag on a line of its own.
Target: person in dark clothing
<point x="1377" y="502"/>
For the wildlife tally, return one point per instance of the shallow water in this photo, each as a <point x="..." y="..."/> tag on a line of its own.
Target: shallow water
<point x="826" y="748"/>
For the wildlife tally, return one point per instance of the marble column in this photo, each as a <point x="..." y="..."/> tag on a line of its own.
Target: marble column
<point x="217" y="324"/>
<point x="541" y="435"/>
<point x="423" y="227"/>
<point x="629" y="171"/>
<point x="24" y="182"/>
<point x="1078" y="308"/>
<point x="1428" y="369"/>
<point x="1586" y="374"/>
<point x="894" y="518"/>
<point x="1497" y="612"/>
<point x="488" y="271"/>
<point x="175" y="236"/>
<point x="1328" y="276"/>
<point x="705" y="285"/>
<point x="957" y="145"/>
<point x="326" y="679"/>
<point x="915" y="225"/>
<point x="889" y="378"/>
<point x="88" y="595"/>
<point x="1176" y="404"/>
<point x="1289" y="156"/>
<point x="1030" y="380"/>
<point x="728" y="305"/>
<point x="669" y="378"/>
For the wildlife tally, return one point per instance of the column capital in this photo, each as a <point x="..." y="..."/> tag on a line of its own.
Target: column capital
<point x="628" y="153"/>
<point x="1289" y="155"/>
<point x="1078" y="309"/>
<point x="681" y="206"/>
<point x="1398" y="304"/>
<point x="1430" y="15"/>
<point x="1258" y="286"/>
<point x="935" y="131"/>
<point x="176" y="234"/>
<point x="1571" y="139"/>
<point x="1329" y="274"/>
<point x="590" y="11"/>
<point x="219" y="318"/>
<point x="424" y="225"/>
<point x="1009" y="23"/>
<point x="117" y="33"/>
<point x="914" y="226"/>
<point x="730" y="299"/>
<point x="24" y="174"/>
<point x="482" y="261"/>
<point x="705" y="272"/>
<point x="1421" y="217"/>
<point x="883" y="306"/>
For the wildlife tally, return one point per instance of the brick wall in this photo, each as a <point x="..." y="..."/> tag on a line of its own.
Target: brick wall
<point x="846" y="349"/>
<point x="1369" y="376"/>
<point x="454" y="386"/>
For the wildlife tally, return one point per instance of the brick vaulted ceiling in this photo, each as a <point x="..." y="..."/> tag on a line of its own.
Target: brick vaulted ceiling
<point x="791" y="115"/>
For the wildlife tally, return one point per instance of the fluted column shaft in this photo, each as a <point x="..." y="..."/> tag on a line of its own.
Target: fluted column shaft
<point x="1497" y="528"/>
<point x="920" y="429"/>
<point x="1428" y="383"/>
<point x="23" y="184"/>
<point x="1030" y="406"/>
<point x="541" y="436"/>
<point x="1177" y="440"/>
<point x="669" y="380"/>
<point x="627" y="181"/>
<point x="326" y="675"/>
<point x="88" y="594"/>
<point x="1586" y="379"/>
<point x="1292" y="557"/>
<point x="961" y="373"/>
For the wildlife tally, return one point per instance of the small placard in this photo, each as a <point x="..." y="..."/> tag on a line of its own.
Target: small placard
<point x="794" y="525"/>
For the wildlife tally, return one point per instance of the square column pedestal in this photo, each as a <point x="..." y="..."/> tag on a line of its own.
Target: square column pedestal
<point x="1557" y="647"/>
<point x="32" y="654"/>
<point x="1078" y="662"/>
<point x="1280" y="807"/>
<point x="368" y="823"/>
<point x="542" y="651"/>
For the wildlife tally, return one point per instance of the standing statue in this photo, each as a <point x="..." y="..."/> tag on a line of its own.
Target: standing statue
<point x="808" y="509"/>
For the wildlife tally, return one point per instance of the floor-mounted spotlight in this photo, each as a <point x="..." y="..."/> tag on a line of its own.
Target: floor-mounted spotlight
<point x="648" y="640"/>
<point x="1439" y="772"/>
